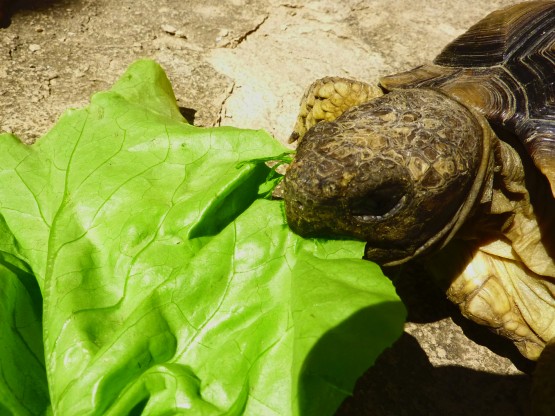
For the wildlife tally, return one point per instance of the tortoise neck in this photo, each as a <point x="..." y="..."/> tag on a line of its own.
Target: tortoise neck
<point x="481" y="190"/>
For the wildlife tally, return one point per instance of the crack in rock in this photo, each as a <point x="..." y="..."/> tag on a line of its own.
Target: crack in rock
<point x="227" y="94"/>
<point x="236" y="41"/>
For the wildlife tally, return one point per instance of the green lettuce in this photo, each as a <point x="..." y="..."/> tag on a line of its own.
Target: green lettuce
<point x="141" y="272"/>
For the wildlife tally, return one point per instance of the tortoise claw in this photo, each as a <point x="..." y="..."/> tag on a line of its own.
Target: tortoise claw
<point x="294" y="137"/>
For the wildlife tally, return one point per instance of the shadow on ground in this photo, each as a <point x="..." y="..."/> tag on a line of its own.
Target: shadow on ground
<point x="340" y="354"/>
<point x="426" y="302"/>
<point x="403" y="382"/>
<point x="9" y="7"/>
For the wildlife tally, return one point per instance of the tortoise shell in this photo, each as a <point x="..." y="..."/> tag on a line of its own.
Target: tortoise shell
<point x="503" y="67"/>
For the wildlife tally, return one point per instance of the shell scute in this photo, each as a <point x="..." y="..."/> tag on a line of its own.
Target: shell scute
<point x="503" y="67"/>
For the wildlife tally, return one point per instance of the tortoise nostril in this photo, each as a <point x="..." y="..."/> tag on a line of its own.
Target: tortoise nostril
<point x="378" y="203"/>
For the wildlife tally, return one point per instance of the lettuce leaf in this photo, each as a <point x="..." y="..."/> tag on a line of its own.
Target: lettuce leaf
<point x="141" y="272"/>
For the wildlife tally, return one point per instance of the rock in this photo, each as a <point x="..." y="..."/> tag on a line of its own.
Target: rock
<point x="169" y="29"/>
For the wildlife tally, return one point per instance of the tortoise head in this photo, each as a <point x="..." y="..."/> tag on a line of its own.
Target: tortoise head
<point x="401" y="172"/>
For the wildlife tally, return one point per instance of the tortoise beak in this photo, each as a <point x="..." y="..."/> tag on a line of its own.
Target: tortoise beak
<point x="345" y="203"/>
<point x="378" y="204"/>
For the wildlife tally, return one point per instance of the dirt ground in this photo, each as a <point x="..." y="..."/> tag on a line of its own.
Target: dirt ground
<point x="246" y="63"/>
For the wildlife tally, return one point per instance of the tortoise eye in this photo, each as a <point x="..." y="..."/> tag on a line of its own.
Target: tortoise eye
<point x="378" y="203"/>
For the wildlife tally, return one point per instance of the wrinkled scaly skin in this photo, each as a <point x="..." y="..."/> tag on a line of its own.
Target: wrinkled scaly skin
<point x="415" y="172"/>
<point x="500" y="264"/>
<point x="388" y="172"/>
<point x="328" y="98"/>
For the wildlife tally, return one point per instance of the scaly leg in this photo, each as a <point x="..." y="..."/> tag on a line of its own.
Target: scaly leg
<point x="496" y="290"/>
<point x="328" y="98"/>
<point x="500" y="264"/>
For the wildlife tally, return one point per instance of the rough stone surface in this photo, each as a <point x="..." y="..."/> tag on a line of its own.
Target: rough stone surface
<point x="246" y="63"/>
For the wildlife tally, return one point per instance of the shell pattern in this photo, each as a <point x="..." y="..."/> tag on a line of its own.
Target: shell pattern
<point x="504" y="66"/>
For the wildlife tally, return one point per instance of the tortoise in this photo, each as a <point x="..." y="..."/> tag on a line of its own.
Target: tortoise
<point x="453" y="163"/>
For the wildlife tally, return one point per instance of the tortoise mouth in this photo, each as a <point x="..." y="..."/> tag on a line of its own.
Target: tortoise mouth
<point x="379" y="204"/>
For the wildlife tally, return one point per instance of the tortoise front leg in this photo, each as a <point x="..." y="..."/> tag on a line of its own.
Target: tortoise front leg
<point x="328" y="98"/>
<point x="500" y="265"/>
<point x="493" y="288"/>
